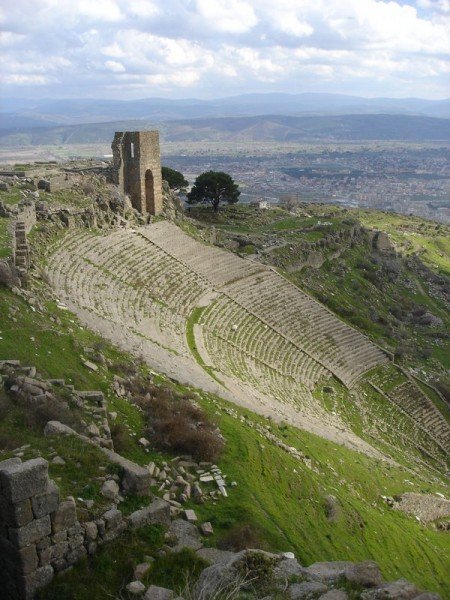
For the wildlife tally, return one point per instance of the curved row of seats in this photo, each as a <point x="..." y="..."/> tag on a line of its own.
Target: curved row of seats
<point x="232" y="361"/>
<point x="228" y="320"/>
<point x="280" y="305"/>
<point x="415" y="403"/>
<point x="123" y="278"/>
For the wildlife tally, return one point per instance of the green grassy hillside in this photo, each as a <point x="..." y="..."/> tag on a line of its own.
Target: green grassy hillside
<point x="284" y="500"/>
<point x="384" y="294"/>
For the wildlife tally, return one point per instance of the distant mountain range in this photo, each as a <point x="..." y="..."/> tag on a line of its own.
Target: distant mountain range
<point x="18" y="113"/>
<point x="276" y="128"/>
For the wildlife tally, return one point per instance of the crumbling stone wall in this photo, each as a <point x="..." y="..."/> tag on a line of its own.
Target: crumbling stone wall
<point x="137" y="169"/>
<point x="55" y="183"/>
<point x="25" y="220"/>
<point x="40" y="534"/>
<point x="32" y="520"/>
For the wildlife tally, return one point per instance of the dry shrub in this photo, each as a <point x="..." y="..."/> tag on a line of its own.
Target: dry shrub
<point x="38" y="414"/>
<point x="125" y="368"/>
<point x="176" y="423"/>
<point x="5" y="407"/>
<point x="241" y="537"/>
<point x="121" y="438"/>
<point x="8" y="441"/>
<point x="88" y="188"/>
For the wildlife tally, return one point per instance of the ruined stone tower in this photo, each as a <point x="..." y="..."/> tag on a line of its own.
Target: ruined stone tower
<point x="137" y="169"/>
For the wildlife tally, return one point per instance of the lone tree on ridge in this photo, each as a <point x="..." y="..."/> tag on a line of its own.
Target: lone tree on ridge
<point x="175" y="179"/>
<point x="214" y="187"/>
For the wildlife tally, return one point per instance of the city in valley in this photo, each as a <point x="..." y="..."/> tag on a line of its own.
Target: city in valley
<point x="409" y="179"/>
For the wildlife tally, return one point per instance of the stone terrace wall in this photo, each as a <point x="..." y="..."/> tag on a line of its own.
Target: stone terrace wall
<point x="40" y="534"/>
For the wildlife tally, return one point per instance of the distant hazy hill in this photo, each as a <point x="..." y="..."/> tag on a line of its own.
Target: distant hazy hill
<point x="16" y="112"/>
<point x="276" y="128"/>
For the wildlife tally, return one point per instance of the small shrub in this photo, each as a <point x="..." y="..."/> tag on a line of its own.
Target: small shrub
<point x="88" y="188"/>
<point x="37" y="415"/>
<point x="125" y="368"/>
<point x="5" y="407"/>
<point x="241" y="537"/>
<point x="121" y="438"/>
<point x="175" y="422"/>
<point x="257" y="568"/>
<point x="8" y="441"/>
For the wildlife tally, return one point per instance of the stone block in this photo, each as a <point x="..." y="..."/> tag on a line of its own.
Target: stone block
<point x="135" y="479"/>
<point x="395" y="590"/>
<point x="182" y="534"/>
<point x="21" y="481"/>
<point x="30" y="584"/>
<point x="287" y="567"/>
<point x="190" y="516"/>
<point x="75" y="555"/>
<point x="112" y="518"/>
<point x="31" y="533"/>
<point x="16" y="515"/>
<point x="135" y="588"/>
<point x="327" y="572"/>
<point x="75" y="529"/>
<point x="206" y="528"/>
<point x="110" y="490"/>
<point x="306" y="589"/>
<point x="140" y="570"/>
<point x="46" y="503"/>
<point x="334" y="595"/>
<point x="61" y="536"/>
<point x="158" y="593"/>
<point x="76" y="541"/>
<point x="366" y="573"/>
<point x="65" y="516"/>
<point x="91" y="530"/>
<point x="214" y="555"/>
<point x="29" y="560"/>
<point x="44" y="543"/>
<point x="157" y="512"/>
<point x="101" y="527"/>
<point x="57" y="428"/>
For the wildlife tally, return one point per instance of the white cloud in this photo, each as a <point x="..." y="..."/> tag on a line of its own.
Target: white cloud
<point x="232" y="16"/>
<point x="20" y="80"/>
<point x="96" y="10"/>
<point x="143" y="8"/>
<point x="114" y="66"/>
<point x="226" y="46"/>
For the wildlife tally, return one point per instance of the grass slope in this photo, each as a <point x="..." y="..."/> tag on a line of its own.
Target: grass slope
<point x="281" y="497"/>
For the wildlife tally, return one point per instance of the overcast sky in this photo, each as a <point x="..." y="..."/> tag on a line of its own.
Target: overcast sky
<point x="214" y="48"/>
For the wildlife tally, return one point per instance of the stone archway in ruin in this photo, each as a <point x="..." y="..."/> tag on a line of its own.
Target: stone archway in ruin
<point x="149" y="192"/>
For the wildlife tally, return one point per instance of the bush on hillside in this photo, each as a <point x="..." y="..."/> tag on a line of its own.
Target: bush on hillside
<point x="120" y="436"/>
<point x="241" y="537"/>
<point x="175" y="422"/>
<point x="37" y="415"/>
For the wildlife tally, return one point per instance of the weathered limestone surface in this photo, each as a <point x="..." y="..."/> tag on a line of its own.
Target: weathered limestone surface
<point x="157" y="512"/>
